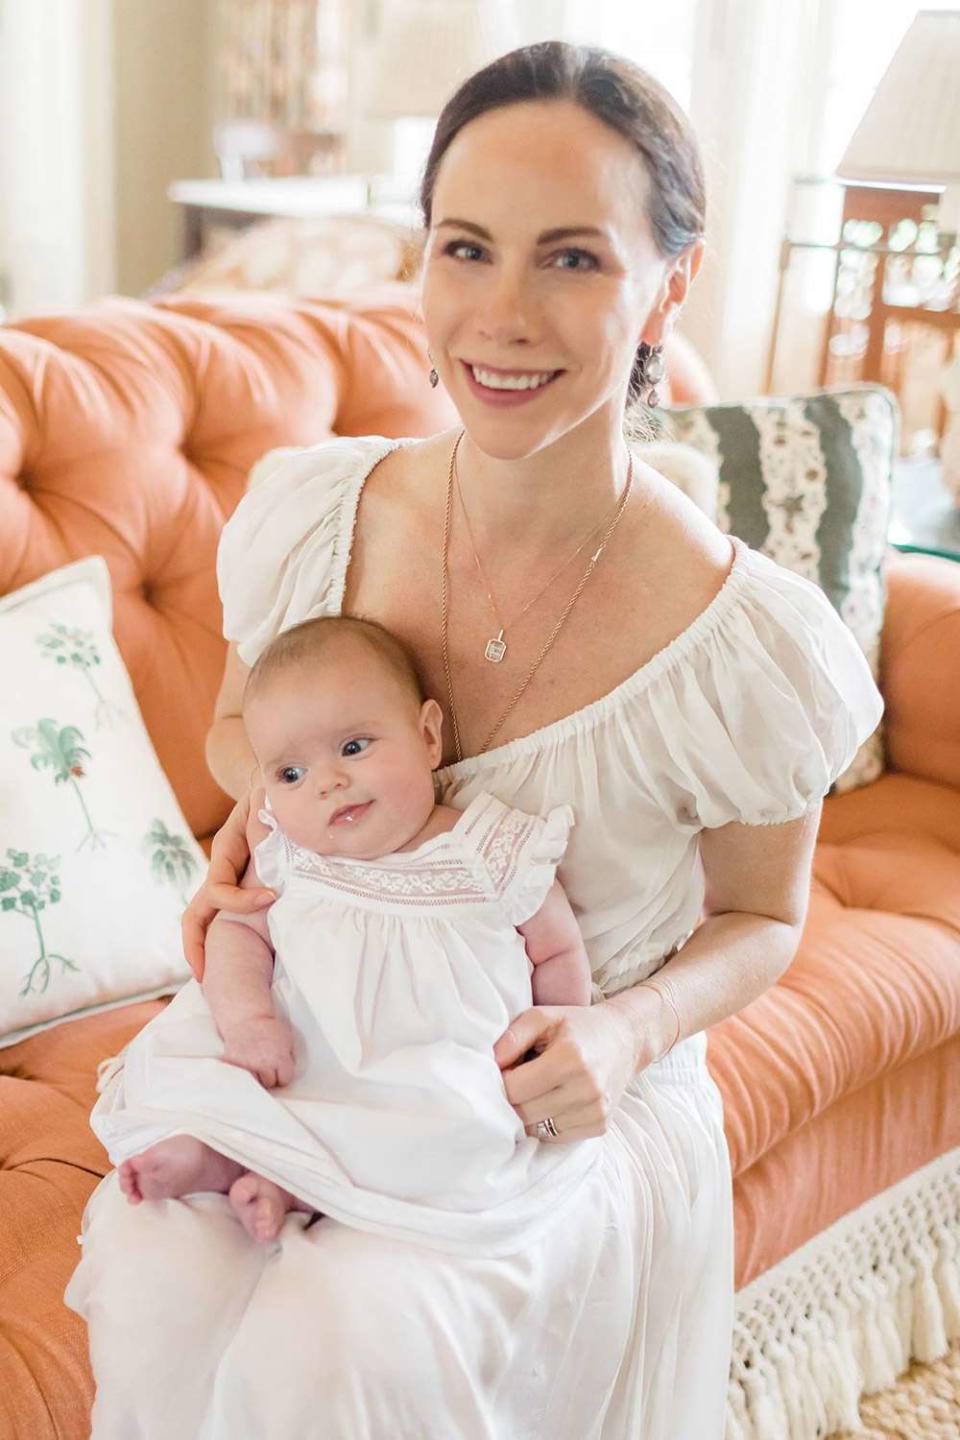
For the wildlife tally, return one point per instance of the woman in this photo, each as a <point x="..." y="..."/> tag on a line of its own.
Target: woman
<point x="689" y="699"/>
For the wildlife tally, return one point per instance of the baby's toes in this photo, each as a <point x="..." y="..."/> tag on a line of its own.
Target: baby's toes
<point x="243" y="1192"/>
<point x="267" y="1214"/>
<point x="259" y="1206"/>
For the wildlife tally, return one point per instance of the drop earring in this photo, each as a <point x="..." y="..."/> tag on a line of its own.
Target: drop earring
<point x="648" y="371"/>
<point x="433" y="377"/>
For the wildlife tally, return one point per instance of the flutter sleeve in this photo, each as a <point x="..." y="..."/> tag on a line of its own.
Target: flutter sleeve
<point x="270" y="855"/>
<point x="521" y="853"/>
<point x="284" y="552"/>
<point x="769" y="707"/>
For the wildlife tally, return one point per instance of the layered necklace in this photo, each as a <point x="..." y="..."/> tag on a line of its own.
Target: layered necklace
<point x="496" y="647"/>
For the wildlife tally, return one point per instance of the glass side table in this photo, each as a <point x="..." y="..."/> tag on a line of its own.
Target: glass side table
<point x="923" y="516"/>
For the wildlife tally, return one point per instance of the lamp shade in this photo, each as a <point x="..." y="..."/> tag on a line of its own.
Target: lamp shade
<point x="425" y="48"/>
<point x="910" y="133"/>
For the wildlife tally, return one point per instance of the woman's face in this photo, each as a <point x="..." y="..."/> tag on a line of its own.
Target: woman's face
<point x="558" y="314"/>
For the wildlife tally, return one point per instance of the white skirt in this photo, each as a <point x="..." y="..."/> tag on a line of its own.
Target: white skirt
<point x="614" y="1324"/>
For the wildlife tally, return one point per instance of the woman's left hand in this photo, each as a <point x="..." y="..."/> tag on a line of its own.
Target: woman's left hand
<point x="586" y="1057"/>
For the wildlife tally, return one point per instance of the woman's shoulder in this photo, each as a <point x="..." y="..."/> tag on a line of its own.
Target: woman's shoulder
<point x="283" y="552"/>
<point x="678" y="556"/>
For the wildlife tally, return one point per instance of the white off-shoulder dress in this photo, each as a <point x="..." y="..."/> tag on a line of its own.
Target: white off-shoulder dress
<point x="398" y="976"/>
<point x="615" y="1323"/>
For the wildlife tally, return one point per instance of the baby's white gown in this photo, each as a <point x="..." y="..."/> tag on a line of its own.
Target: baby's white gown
<point x="398" y="976"/>
<point x="615" y="1324"/>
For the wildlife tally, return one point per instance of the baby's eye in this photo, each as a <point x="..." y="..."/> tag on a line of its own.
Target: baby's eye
<point x="355" y="747"/>
<point x="580" y="255"/>
<point x="290" y="774"/>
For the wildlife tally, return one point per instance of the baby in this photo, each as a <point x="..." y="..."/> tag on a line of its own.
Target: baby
<point x="339" y="1056"/>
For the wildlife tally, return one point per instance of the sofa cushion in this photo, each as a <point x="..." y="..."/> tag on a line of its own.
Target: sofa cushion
<point x="806" y="479"/>
<point x="918" y="666"/>
<point x="875" y="982"/>
<point x="50" y="1162"/>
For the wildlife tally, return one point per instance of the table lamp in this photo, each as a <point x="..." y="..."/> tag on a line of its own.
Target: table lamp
<point x="910" y="132"/>
<point x="423" y="49"/>
<point x="910" y="135"/>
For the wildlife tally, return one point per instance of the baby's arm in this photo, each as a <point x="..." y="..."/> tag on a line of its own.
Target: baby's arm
<point x="236" y="984"/>
<point x="561" y="970"/>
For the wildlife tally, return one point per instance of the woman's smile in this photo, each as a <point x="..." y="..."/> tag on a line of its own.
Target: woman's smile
<point x="503" y="388"/>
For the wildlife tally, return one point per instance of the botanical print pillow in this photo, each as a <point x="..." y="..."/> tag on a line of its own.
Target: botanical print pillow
<point x="806" y="480"/>
<point x="96" y="859"/>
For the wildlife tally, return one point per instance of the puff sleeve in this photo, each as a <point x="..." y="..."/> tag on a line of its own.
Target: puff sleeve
<point x="284" y="552"/>
<point x="767" y="709"/>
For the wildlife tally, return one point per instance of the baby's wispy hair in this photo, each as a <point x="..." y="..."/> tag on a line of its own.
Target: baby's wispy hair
<point x="307" y="642"/>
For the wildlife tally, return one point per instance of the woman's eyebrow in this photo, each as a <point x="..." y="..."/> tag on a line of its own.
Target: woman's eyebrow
<point x="562" y="232"/>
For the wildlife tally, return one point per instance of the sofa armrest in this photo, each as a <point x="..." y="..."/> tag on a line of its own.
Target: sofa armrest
<point x="920" y="666"/>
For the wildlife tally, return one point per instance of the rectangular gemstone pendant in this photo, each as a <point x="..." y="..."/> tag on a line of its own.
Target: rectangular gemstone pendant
<point x="496" y="649"/>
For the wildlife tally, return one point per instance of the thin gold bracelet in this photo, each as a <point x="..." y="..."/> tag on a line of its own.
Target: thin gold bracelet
<point x="664" y="987"/>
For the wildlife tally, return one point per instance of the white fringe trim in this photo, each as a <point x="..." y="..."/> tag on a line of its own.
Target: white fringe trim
<point x="845" y="1314"/>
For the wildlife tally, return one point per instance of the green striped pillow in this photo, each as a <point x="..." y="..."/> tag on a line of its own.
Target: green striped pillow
<point x="806" y="480"/>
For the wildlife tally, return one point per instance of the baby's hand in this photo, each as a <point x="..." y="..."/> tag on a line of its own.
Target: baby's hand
<point x="264" y="1046"/>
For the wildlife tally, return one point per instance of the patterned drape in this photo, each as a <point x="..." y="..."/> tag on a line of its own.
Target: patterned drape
<point x="284" y="61"/>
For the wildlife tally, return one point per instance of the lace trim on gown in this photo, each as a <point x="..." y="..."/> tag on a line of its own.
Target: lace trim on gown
<point x="492" y="853"/>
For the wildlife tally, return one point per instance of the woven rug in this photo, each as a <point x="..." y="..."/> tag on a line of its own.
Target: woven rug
<point x="923" y="1405"/>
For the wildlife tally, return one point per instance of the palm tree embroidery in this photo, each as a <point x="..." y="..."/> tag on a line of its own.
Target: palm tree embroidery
<point x="71" y="646"/>
<point x="171" y="861"/>
<point x="27" y="886"/>
<point x="60" y="749"/>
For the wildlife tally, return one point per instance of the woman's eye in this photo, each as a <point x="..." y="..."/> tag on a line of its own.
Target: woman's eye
<point x="456" y="245"/>
<point x="354" y="747"/>
<point x="290" y="774"/>
<point x="592" y="261"/>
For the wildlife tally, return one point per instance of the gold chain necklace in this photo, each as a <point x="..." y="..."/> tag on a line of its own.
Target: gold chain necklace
<point x="496" y="647"/>
<point x="551" y="638"/>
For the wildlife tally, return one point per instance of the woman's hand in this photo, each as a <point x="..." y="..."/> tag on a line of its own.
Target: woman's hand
<point x="586" y="1057"/>
<point x="221" y="888"/>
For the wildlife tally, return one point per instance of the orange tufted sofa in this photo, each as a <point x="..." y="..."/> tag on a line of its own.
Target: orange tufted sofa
<point x="127" y="430"/>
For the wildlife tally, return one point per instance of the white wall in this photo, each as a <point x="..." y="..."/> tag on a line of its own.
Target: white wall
<point x="163" y="83"/>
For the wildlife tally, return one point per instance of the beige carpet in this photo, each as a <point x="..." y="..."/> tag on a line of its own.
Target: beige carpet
<point x="923" y="1405"/>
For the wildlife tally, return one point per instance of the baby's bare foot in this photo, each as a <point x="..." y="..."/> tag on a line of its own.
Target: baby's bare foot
<point x="261" y="1206"/>
<point x="178" y="1166"/>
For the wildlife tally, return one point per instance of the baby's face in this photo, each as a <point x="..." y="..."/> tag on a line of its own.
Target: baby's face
<point x="346" y="752"/>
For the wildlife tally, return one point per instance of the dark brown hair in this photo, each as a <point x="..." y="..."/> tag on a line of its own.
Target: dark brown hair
<point x="307" y="641"/>
<point x="616" y="92"/>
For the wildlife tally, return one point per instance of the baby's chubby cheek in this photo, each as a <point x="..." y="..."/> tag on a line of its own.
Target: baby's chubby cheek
<point x="293" y="813"/>
<point x="301" y="818"/>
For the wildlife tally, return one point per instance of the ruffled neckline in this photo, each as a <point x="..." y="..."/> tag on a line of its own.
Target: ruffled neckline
<point x="587" y="716"/>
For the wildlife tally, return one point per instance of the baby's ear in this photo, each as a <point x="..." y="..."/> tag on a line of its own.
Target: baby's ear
<point x="431" y="728"/>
